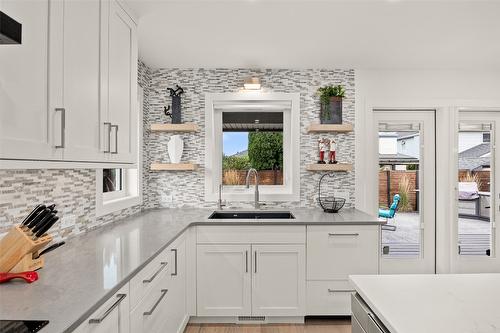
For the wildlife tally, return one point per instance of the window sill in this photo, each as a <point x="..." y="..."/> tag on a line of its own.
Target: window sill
<point x="114" y="205"/>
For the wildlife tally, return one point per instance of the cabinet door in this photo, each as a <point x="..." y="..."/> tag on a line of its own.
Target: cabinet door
<point x="278" y="280"/>
<point x="81" y="26"/>
<point x="122" y="85"/>
<point x="177" y="316"/>
<point x="112" y="317"/>
<point x="224" y="280"/>
<point x="27" y="115"/>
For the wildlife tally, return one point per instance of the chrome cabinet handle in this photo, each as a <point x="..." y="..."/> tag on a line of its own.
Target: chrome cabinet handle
<point x="150" y="312"/>
<point x="175" y="265"/>
<point x="334" y="234"/>
<point x="116" y="139"/>
<point x="370" y="315"/>
<point x="63" y="128"/>
<point x="108" y="150"/>
<point x="121" y="297"/>
<point x="163" y="265"/>
<point x="340" y="291"/>
<point x="246" y="261"/>
<point x="255" y="256"/>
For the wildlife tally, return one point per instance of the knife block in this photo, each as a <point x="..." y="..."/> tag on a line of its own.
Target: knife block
<point x="17" y="250"/>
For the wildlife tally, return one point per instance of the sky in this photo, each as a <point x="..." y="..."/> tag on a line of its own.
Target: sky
<point x="234" y="142"/>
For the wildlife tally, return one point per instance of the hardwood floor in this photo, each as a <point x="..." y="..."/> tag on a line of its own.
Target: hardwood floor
<point x="311" y="326"/>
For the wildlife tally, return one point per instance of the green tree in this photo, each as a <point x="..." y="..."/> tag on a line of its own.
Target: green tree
<point x="235" y="162"/>
<point x="265" y="150"/>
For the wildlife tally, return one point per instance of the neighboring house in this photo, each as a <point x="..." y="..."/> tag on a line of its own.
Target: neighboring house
<point x="399" y="149"/>
<point x="476" y="158"/>
<point x="468" y="140"/>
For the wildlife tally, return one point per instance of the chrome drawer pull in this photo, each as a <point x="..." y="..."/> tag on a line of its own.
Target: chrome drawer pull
<point x="340" y="291"/>
<point x="370" y="315"/>
<point x="63" y="128"/>
<point x="246" y="261"/>
<point x="150" y="312"/>
<point x="175" y="265"/>
<point x="163" y="265"/>
<point x="121" y="297"/>
<point x="108" y="150"/>
<point x="352" y="234"/>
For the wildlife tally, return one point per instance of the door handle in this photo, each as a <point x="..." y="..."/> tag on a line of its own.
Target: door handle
<point x="175" y="262"/>
<point x="255" y="266"/>
<point x="63" y="128"/>
<point x="150" y="312"/>
<point x="351" y="234"/>
<point x="121" y="297"/>
<point x="246" y="261"/>
<point x="116" y="139"/>
<point x="108" y="149"/>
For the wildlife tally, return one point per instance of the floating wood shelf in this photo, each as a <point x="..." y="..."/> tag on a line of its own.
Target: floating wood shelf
<point x="186" y="127"/>
<point x="173" y="166"/>
<point x="329" y="167"/>
<point x="323" y="128"/>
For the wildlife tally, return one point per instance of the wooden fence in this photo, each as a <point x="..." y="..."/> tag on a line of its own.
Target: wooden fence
<point x="266" y="177"/>
<point x="388" y="186"/>
<point x="483" y="178"/>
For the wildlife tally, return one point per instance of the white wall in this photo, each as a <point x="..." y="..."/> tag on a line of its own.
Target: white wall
<point x="443" y="90"/>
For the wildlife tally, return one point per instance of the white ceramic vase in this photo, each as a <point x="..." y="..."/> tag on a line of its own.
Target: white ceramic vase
<point x="175" y="148"/>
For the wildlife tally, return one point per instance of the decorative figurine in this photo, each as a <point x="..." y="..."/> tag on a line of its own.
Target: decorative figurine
<point x="332" y="155"/>
<point x="322" y="148"/>
<point x="175" y="115"/>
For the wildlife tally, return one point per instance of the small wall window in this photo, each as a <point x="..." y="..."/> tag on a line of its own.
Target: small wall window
<point x="486" y="137"/>
<point x="253" y="130"/>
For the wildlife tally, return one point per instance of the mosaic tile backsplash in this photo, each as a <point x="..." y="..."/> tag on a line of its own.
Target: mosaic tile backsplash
<point x="177" y="189"/>
<point x="73" y="191"/>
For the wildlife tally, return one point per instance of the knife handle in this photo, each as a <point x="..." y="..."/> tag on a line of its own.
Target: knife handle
<point x="38" y="218"/>
<point x="42" y="222"/>
<point x="33" y="213"/>
<point x="51" y="248"/>
<point x="46" y="227"/>
<point x="51" y="207"/>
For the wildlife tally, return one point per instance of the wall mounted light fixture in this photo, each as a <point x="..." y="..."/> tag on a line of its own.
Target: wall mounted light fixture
<point x="252" y="83"/>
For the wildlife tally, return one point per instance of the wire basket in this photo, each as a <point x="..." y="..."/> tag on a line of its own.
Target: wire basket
<point x="329" y="203"/>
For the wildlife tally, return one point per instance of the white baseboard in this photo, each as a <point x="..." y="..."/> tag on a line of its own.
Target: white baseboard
<point x="234" y="320"/>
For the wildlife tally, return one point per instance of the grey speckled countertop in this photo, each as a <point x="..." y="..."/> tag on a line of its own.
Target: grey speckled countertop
<point x="80" y="276"/>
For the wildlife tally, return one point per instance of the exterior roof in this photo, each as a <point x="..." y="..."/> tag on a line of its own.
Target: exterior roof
<point x="397" y="159"/>
<point x="471" y="159"/>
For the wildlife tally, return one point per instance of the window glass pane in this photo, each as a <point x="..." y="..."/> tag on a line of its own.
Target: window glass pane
<point x="112" y="180"/>
<point x="399" y="191"/>
<point x="474" y="187"/>
<point x="252" y="140"/>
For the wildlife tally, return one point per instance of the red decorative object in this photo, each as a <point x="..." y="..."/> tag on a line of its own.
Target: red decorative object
<point x="26" y="276"/>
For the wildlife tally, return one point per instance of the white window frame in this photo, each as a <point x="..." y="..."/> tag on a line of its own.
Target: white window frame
<point x="131" y="193"/>
<point x="290" y="191"/>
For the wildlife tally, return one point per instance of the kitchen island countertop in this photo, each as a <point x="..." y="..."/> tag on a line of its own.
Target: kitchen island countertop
<point x="91" y="267"/>
<point x="442" y="303"/>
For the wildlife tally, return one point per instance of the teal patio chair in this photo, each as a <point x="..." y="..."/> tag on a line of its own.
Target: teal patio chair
<point x="390" y="213"/>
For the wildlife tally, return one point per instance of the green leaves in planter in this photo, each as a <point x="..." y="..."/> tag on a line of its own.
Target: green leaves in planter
<point x="330" y="91"/>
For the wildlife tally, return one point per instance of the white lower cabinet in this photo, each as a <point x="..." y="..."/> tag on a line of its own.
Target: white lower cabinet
<point x="278" y="280"/>
<point x="224" y="280"/>
<point x="251" y="280"/>
<point x="162" y="306"/>
<point x="111" y="317"/>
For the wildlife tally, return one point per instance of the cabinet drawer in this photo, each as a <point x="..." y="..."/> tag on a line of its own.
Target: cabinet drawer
<point x="154" y="310"/>
<point x="329" y="298"/>
<point x="334" y="252"/>
<point x="141" y="283"/>
<point x="251" y="234"/>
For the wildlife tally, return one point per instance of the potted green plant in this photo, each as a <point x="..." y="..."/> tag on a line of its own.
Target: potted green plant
<point x="331" y="104"/>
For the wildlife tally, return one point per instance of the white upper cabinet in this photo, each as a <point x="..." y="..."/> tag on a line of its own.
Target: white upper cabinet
<point x="68" y="92"/>
<point x="120" y="85"/>
<point x="76" y="69"/>
<point x="26" y="113"/>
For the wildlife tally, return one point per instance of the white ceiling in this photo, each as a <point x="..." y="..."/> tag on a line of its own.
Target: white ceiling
<point x="319" y="34"/>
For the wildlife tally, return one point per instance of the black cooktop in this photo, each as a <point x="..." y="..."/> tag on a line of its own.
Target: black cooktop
<point x="22" y="326"/>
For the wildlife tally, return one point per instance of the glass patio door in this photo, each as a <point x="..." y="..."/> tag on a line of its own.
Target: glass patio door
<point x="475" y="247"/>
<point x="405" y="169"/>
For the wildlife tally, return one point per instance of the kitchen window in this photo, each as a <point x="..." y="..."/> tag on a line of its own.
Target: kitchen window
<point x="120" y="188"/>
<point x="252" y="130"/>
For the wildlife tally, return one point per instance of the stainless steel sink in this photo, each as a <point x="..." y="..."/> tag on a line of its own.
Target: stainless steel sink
<point x="250" y="215"/>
